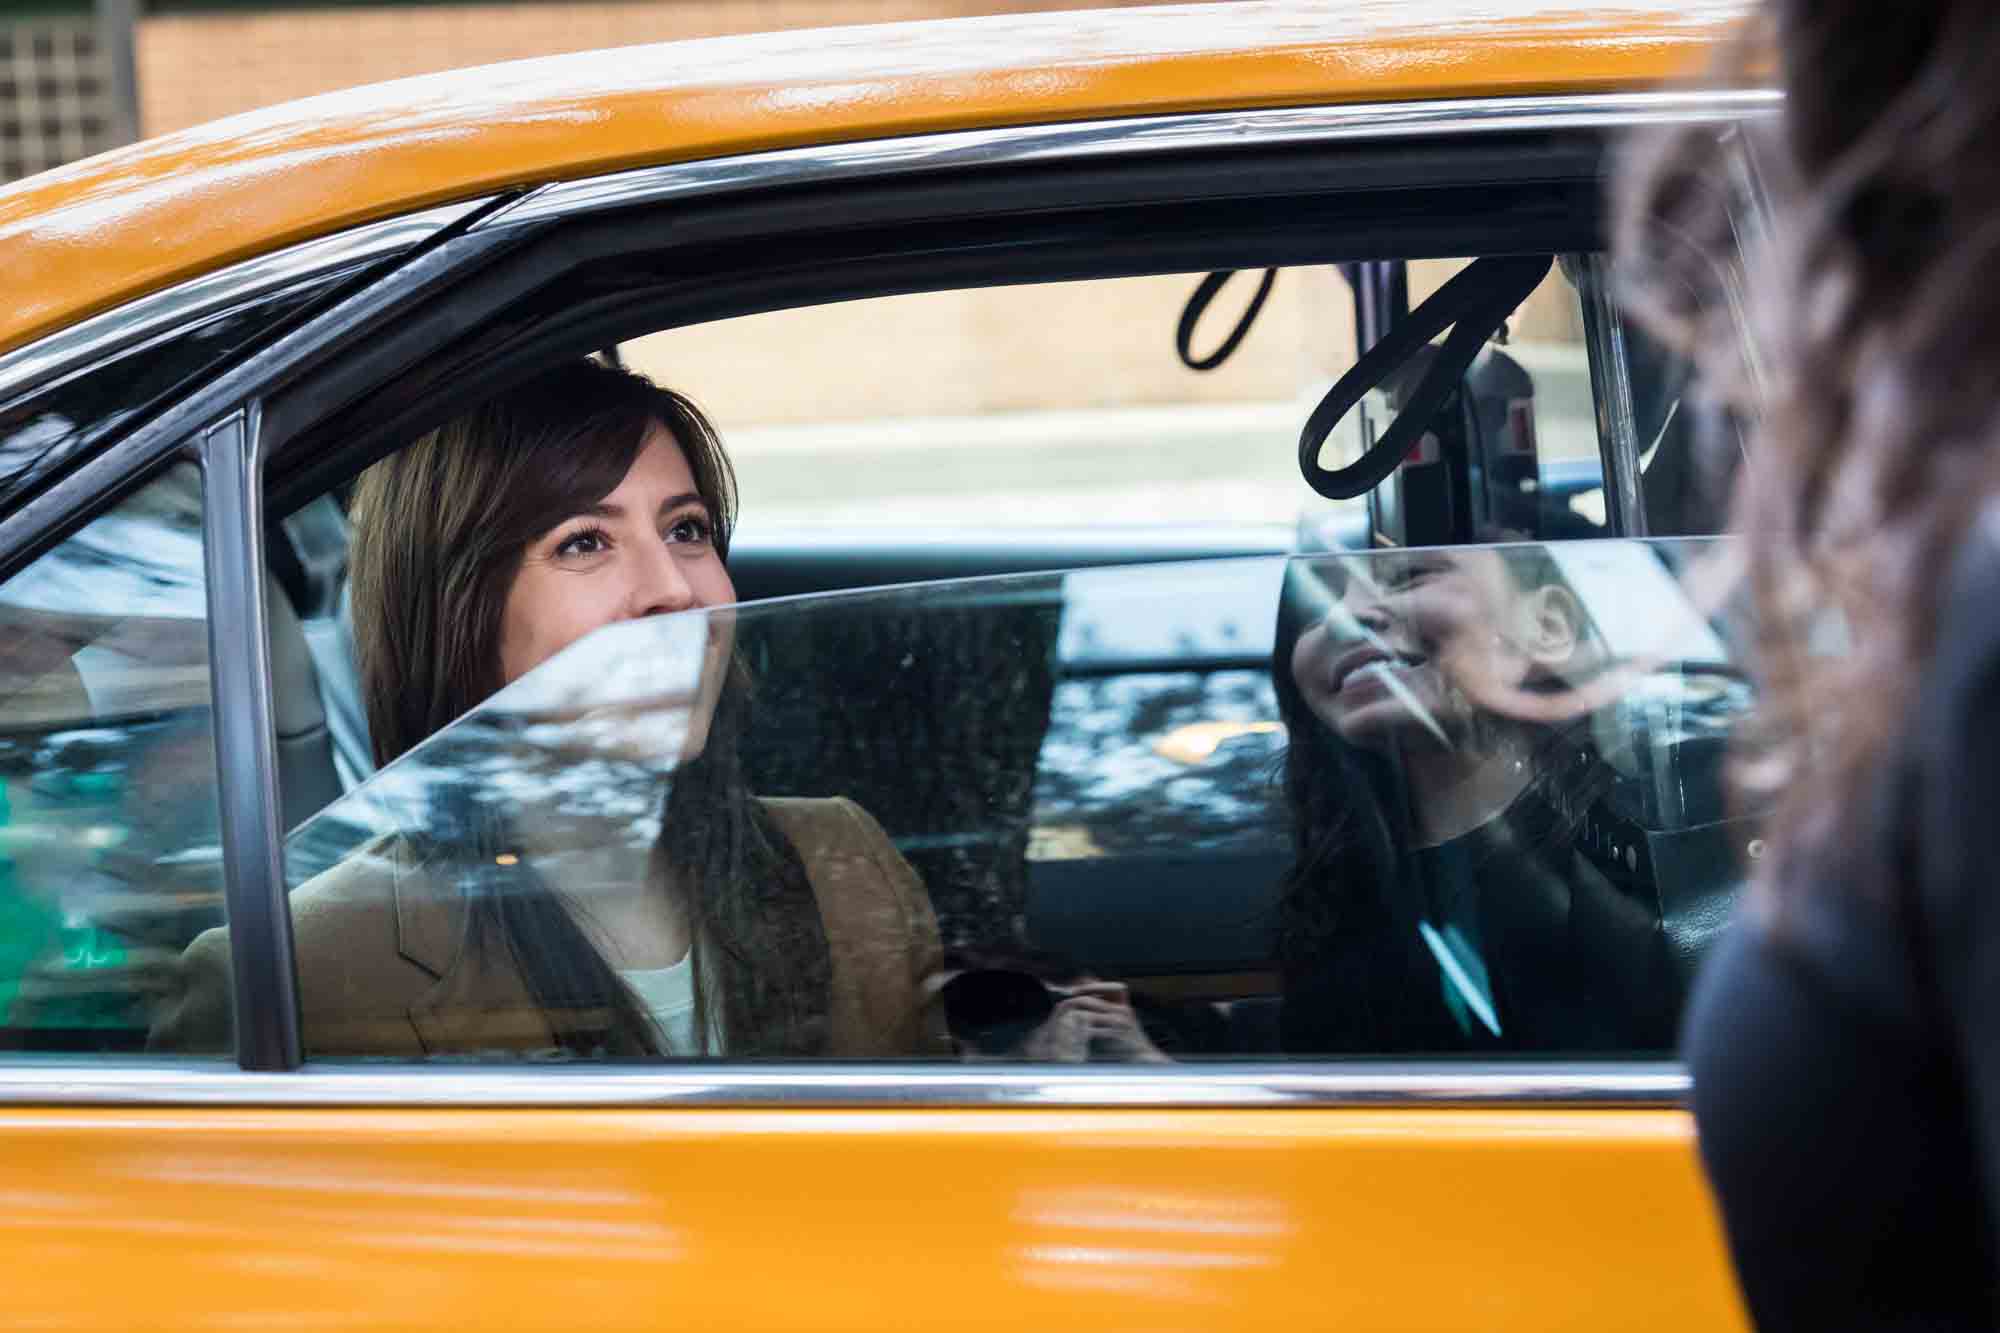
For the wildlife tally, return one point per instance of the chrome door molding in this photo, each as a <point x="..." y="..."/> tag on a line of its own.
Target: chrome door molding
<point x="123" y="326"/>
<point x="1027" y="144"/>
<point x="75" y="1081"/>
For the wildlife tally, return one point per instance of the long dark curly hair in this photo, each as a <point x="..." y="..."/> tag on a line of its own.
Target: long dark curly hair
<point x="1867" y="385"/>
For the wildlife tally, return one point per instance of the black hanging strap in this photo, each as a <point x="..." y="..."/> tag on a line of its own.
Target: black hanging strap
<point x="1197" y="306"/>
<point x="1472" y="304"/>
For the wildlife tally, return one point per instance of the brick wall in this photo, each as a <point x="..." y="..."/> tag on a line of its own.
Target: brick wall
<point x="58" y="94"/>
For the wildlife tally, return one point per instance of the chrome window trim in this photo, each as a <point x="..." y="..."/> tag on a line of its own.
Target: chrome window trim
<point x="106" y="334"/>
<point x="75" y="1082"/>
<point x="1275" y="127"/>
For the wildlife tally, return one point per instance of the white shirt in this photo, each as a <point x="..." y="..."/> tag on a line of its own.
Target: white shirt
<point x="668" y="996"/>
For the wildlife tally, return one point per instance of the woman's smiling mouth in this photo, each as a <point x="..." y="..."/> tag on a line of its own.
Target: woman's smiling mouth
<point x="1366" y="663"/>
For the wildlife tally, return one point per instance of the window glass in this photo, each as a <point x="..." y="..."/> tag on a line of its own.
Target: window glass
<point x="1458" y="802"/>
<point x="110" y="860"/>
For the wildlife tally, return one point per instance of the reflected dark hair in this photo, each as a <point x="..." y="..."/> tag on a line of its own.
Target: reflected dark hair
<point x="1872" y="320"/>
<point x="440" y="529"/>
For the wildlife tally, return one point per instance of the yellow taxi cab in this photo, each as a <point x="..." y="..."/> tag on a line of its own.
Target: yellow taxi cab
<point x="1201" y="511"/>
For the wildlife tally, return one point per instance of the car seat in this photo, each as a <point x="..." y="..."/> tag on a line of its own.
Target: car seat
<point x="307" y="779"/>
<point x="324" y="748"/>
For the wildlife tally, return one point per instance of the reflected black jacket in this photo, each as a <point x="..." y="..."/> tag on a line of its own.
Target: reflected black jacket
<point x="1512" y="912"/>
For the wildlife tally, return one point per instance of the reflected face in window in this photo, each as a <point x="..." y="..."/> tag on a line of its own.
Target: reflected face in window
<point x="645" y="549"/>
<point x="1415" y="637"/>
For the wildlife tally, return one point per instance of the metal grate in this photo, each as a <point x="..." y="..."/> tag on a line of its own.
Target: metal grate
<point x="57" y="94"/>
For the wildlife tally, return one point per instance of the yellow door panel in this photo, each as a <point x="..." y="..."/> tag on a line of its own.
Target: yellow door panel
<point x="931" y="1219"/>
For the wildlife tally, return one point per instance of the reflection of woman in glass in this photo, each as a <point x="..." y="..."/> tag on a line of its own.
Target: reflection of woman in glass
<point x="1437" y="901"/>
<point x="747" y="926"/>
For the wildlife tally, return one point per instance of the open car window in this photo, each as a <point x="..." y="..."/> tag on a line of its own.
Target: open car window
<point x="1078" y="405"/>
<point x="1427" y="803"/>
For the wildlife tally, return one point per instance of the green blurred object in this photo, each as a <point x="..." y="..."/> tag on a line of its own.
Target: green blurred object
<point x="28" y="925"/>
<point x="60" y="969"/>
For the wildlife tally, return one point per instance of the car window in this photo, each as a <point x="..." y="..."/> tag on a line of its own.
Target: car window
<point x="110" y="859"/>
<point x="1431" y="802"/>
<point x="1056" y="405"/>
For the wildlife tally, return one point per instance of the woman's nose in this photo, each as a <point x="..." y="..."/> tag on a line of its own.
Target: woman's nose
<point x="663" y="584"/>
<point x="1366" y="608"/>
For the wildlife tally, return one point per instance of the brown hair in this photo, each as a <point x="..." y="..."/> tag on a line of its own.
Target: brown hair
<point x="439" y="532"/>
<point x="1873" y="338"/>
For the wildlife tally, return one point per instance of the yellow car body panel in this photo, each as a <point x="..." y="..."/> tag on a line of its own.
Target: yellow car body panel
<point x="822" y="1219"/>
<point x="90" y="236"/>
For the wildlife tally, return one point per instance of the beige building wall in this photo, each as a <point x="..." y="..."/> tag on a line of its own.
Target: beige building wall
<point x="1071" y="345"/>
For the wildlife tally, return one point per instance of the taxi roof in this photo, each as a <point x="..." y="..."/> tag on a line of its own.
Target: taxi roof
<point x="89" y="236"/>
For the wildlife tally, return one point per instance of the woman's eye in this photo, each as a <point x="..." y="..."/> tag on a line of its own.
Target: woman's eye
<point x="689" y="528"/>
<point x="591" y="541"/>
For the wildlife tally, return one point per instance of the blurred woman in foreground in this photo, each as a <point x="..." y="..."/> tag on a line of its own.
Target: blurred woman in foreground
<point x="1845" y="1041"/>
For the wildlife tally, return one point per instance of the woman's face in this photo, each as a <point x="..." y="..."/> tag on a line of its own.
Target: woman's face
<point x="645" y="549"/>
<point x="1415" y="634"/>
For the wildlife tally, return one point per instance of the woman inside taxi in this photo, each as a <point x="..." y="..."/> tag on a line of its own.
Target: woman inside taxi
<point x="1437" y="901"/>
<point x="727" y="925"/>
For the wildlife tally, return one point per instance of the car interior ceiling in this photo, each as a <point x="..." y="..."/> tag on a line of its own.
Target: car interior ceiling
<point x="324" y="747"/>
